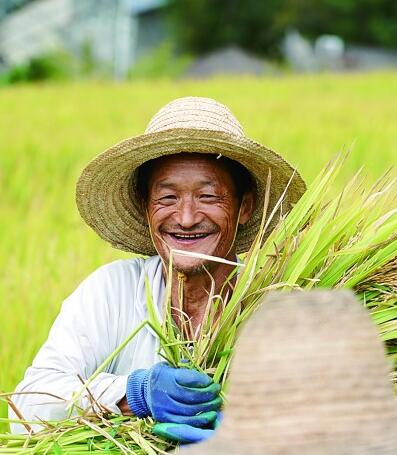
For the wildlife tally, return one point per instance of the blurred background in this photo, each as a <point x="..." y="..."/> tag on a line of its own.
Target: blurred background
<point x="307" y="78"/>
<point x="122" y="39"/>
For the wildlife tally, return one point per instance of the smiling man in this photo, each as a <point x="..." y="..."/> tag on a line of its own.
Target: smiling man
<point x="193" y="182"/>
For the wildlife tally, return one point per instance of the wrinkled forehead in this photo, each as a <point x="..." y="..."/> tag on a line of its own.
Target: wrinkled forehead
<point x="189" y="170"/>
<point x="187" y="161"/>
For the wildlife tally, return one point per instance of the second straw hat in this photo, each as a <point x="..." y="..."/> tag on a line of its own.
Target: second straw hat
<point x="309" y="377"/>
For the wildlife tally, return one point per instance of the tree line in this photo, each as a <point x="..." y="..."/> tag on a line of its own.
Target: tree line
<point x="259" y="25"/>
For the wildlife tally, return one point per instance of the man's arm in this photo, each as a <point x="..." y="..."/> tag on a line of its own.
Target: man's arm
<point x="86" y="331"/>
<point x="79" y="340"/>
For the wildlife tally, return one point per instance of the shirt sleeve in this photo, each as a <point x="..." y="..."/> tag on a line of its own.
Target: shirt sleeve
<point x="81" y="338"/>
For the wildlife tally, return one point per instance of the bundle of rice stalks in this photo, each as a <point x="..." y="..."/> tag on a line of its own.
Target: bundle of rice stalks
<point x="347" y="240"/>
<point x="88" y="433"/>
<point x="343" y="241"/>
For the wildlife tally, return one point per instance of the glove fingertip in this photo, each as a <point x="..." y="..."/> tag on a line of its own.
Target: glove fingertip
<point x="184" y="434"/>
<point x="218" y="420"/>
<point x="192" y="378"/>
<point x="160" y="429"/>
<point x="217" y="387"/>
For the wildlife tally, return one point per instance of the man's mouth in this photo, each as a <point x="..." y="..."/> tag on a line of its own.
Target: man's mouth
<point x="187" y="239"/>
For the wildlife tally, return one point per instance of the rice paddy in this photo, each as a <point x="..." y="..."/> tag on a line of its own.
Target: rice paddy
<point x="49" y="132"/>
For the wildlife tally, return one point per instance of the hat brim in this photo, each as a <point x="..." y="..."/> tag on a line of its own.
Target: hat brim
<point x="107" y="202"/>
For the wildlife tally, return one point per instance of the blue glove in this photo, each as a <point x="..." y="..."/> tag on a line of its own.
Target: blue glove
<point x="173" y="395"/>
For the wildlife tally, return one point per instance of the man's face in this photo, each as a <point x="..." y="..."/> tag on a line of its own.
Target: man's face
<point x="192" y="205"/>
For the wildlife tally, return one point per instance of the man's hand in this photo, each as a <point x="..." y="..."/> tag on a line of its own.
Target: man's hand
<point x="174" y="395"/>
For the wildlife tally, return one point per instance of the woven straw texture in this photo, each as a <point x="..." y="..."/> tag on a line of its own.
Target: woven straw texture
<point x="309" y="377"/>
<point x="106" y="188"/>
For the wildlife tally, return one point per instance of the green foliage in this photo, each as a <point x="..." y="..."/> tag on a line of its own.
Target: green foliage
<point x="162" y="62"/>
<point x="203" y="25"/>
<point x="52" y="66"/>
<point x="49" y="132"/>
<point x="57" y="65"/>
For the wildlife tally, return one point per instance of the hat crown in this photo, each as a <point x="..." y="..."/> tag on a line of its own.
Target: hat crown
<point x="197" y="113"/>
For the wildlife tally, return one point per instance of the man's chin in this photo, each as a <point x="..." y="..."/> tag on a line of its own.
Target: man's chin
<point x="191" y="267"/>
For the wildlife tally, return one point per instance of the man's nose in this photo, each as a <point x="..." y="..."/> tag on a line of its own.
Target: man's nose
<point x="187" y="213"/>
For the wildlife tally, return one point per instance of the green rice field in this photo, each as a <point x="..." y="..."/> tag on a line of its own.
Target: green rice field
<point x="49" y="132"/>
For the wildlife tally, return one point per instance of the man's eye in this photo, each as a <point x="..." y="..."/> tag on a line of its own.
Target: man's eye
<point x="207" y="196"/>
<point x="168" y="198"/>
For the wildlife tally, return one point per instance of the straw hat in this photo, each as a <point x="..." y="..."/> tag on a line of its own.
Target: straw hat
<point x="309" y="377"/>
<point x="106" y="188"/>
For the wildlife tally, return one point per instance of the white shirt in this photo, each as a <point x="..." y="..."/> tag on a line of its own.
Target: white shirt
<point x="92" y="323"/>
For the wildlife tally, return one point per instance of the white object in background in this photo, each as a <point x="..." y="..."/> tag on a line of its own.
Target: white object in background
<point x="299" y="52"/>
<point x="329" y="51"/>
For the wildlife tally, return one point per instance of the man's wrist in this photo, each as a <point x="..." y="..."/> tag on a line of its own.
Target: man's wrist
<point x="136" y="393"/>
<point x="124" y="407"/>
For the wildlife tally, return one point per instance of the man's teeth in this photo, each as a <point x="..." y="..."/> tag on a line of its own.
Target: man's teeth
<point x="189" y="236"/>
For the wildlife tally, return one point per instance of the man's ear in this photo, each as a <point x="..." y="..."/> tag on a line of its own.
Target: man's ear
<point x="247" y="207"/>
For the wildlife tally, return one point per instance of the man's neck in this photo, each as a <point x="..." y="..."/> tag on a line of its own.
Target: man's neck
<point x="191" y="293"/>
